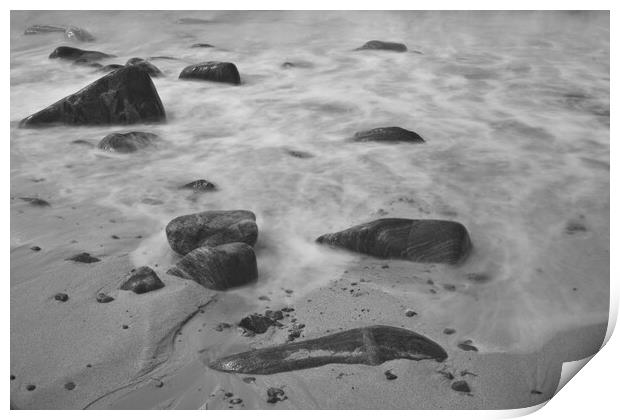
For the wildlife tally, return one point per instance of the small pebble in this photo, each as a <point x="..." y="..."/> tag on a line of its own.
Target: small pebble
<point x="409" y="313"/>
<point x="461" y="386"/>
<point x="35" y="248"/>
<point x="61" y="297"/>
<point x="274" y="395"/>
<point x="389" y="375"/>
<point x="449" y="331"/>
<point x="236" y="401"/>
<point x="466" y="346"/>
<point x="12" y="377"/>
<point x="125" y="327"/>
<point x="69" y="386"/>
<point x="103" y="298"/>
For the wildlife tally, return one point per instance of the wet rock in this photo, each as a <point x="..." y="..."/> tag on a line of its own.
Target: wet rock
<point x="467" y="346"/>
<point x="213" y="71"/>
<point x="61" y="297"/>
<point x="43" y="29"/>
<point x="84" y="257"/>
<point x="30" y="387"/>
<point x="129" y="142"/>
<point x="257" y="323"/>
<point x="125" y="96"/>
<point x="37" y="202"/>
<point x="249" y="379"/>
<point x="389" y="375"/>
<point x="71" y="53"/>
<point x="111" y="67"/>
<point x="381" y="45"/>
<point x="297" y="64"/>
<point x="144" y="65"/>
<point x="143" y="280"/>
<point x="74" y="33"/>
<point x="103" y="298"/>
<point x="274" y="395"/>
<point x="461" y="386"/>
<point x="220" y="267"/>
<point x="410" y="313"/>
<point x="428" y="241"/>
<point x="388" y="135"/>
<point x="369" y="346"/>
<point x="199" y="45"/>
<point x="574" y="227"/>
<point x="211" y="228"/>
<point x="200" y="185"/>
<point x="35" y="248"/>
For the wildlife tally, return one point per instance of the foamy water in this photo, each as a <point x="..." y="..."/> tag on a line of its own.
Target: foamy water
<point x="514" y="108"/>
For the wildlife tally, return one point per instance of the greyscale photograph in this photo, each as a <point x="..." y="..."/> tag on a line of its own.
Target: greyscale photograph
<point x="306" y="210"/>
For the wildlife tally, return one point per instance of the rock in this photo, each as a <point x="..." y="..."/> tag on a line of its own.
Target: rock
<point x="111" y="67"/>
<point x="388" y="135"/>
<point x="143" y="280"/>
<point x="461" y="386"/>
<point x="258" y="324"/>
<point x="37" y="202"/>
<point x="127" y="142"/>
<point x="200" y="185"/>
<point x="222" y="326"/>
<point x="35" y="248"/>
<point x="389" y="375"/>
<point x="125" y="96"/>
<point x="410" y="313"/>
<point x="381" y="45"/>
<point x="220" y="267"/>
<point x="71" y="53"/>
<point x="103" y="298"/>
<point x="43" y="29"/>
<point x="449" y="331"/>
<point x="78" y="34"/>
<point x="144" y="65"/>
<point x="467" y="346"/>
<point x="211" y="228"/>
<point x="368" y="345"/>
<point x="83" y="257"/>
<point x="202" y="46"/>
<point x="428" y="241"/>
<point x="214" y="71"/>
<point x="61" y="297"/>
<point x="274" y="395"/>
<point x="69" y="386"/>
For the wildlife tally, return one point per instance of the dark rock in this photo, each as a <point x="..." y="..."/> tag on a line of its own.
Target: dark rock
<point x="461" y="386"/>
<point x="299" y="154"/>
<point x="35" y="248"/>
<point x="83" y="257"/>
<point x="127" y="142"/>
<point x="274" y="395"/>
<point x="211" y="228"/>
<point x="410" y="313"/>
<point x="78" y="34"/>
<point x="381" y="45"/>
<point x="111" y="67"/>
<point x="103" y="298"/>
<point x="536" y="392"/>
<point x="275" y="315"/>
<point x="144" y="65"/>
<point x="69" y="386"/>
<point x="257" y="323"/>
<point x="389" y="375"/>
<point x="202" y="46"/>
<point x="43" y="29"/>
<point x="428" y="241"/>
<point x="220" y="267"/>
<point x="86" y="62"/>
<point x="31" y="387"/>
<point x="369" y="346"/>
<point x="249" y="379"/>
<point x="467" y="346"/>
<point x="71" y="53"/>
<point x="479" y="277"/>
<point x="61" y="297"/>
<point x="214" y="71"/>
<point x="449" y="331"/>
<point x="200" y="185"/>
<point x="388" y="135"/>
<point x="35" y="201"/>
<point x="125" y="96"/>
<point x="236" y="401"/>
<point x="143" y="280"/>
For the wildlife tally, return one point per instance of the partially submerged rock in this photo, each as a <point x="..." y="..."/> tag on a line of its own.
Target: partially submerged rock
<point x="213" y="71"/>
<point x="211" y="228"/>
<point x="428" y="241"/>
<point x="72" y="53"/>
<point x="144" y="65"/>
<point x="84" y="257"/>
<point x="143" y="280"/>
<point x="382" y="45"/>
<point x="127" y="142"/>
<point x="388" y="135"/>
<point x="111" y="67"/>
<point x="258" y="324"/>
<point x="369" y="346"/>
<point x="125" y="96"/>
<point x="220" y="267"/>
<point x="200" y="185"/>
<point x="74" y="33"/>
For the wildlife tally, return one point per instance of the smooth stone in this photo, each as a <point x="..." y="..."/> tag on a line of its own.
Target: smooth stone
<point x="388" y="135"/>
<point x="37" y="202"/>
<point x="257" y="323"/>
<point x="372" y="345"/>
<point x="220" y="267"/>
<point x="211" y="228"/>
<point x="389" y="375"/>
<point x="125" y="96"/>
<point x="426" y="241"/>
<point x="72" y="53"/>
<point x="144" y="65"/>
<point x="461" y="386"/>
<point x="467" y="346"/>
<point x="300" y="154"/>
<point x="199" y="45"/>
<point x="83" y="257"/>
<point x="382" y="45"/>
<point x="43" y="29"/>
<point x="213" y="71"/>
<point x="78" y="34"/>
<point x="127" y="142"/>
<point x="200" y="185"/>
<point x="297" y="64"/>
<point x="143" y="280"/>
<point x="35" y="248"/>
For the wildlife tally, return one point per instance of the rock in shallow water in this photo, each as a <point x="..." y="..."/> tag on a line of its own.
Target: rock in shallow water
<point x="74" y="33"/>
<point x="200" y="185"/>
<point x="213" y="71"/>
<point x="428" y="241"/>
<point x="369" y="346"/>
<point x="381" y="45"/>
<point x="220" y="267"/>
<point x="125" y="96"/>
<point x="388" y="135"/>
<point x="127" y="142"/>
<point x="143" y="280"/>
<point x="71" y="53"/>
<point x="211" y="228"/>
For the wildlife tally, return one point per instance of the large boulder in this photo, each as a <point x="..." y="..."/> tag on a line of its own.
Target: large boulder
<point x="214" y="71"/>
<point x="71" y="53"/>
<point x="211" y="228"/>
<point x="127" y="142"/>
<point x="220" y="267"/>
<point x="427" y="241"/>
<point x="388" y="135"/>
<point x="382" y="45"/>
<point x="144" y="65"/>
<point x="125" y="96"/>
